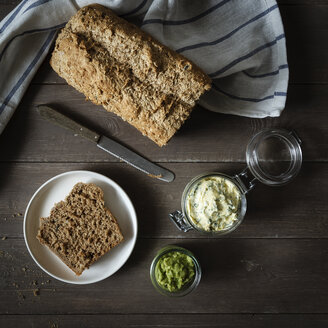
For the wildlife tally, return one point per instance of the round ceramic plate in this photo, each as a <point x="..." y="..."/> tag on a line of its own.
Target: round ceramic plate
<point x="55" y="190"/>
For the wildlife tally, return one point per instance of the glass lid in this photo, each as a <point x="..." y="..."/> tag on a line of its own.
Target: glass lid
<point x="274" y="156"/>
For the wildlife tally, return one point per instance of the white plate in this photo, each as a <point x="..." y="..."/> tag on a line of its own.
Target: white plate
<point x="55" y="190"/>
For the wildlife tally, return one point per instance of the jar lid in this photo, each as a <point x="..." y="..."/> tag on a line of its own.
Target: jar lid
<point x="274" y="156"/>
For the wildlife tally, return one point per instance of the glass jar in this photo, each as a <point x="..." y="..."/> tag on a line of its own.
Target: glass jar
<point x="188" y="287"/>
<point x="273" y="157"/>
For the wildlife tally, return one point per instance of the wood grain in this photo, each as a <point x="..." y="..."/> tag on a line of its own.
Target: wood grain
<point x="305" y="28"/>
<point x="272" y="212"/>
<point x="6" y="7"/>
<point x="239" y="276"/>
<point x="205" y="137"/>
<point x="272" y="271"/>
<point x="168" y="321"/>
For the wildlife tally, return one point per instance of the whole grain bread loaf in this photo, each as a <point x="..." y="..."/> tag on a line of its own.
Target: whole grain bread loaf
<point x="80" y="229"/>
<point x="117" y="65"/>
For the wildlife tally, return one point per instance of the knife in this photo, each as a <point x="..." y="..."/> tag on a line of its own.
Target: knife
<point x="106" y="144"/>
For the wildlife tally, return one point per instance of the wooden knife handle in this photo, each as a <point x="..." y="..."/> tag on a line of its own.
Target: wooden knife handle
<point x="60" y="119"/>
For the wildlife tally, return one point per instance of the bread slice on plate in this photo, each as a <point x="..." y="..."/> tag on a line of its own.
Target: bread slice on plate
<point x="80" y="229"/>
<point x="117" y="65"/>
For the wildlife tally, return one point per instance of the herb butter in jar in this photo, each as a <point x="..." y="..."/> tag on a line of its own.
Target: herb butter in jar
<point x="175" y="271"/>
<point x="213" y="203"/>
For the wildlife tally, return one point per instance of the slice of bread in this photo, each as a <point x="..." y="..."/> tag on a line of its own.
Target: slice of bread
<point x="80" y="229"/>
<point x="117" y="65"/>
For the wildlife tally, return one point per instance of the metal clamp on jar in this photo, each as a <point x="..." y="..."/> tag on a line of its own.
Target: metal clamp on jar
<point x="216" y="203"/>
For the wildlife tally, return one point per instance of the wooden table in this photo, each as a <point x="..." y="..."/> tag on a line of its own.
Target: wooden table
<point x="272" y="271"/>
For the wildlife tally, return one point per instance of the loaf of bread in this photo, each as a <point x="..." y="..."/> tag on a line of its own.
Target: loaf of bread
<point x="80" y="229"/>
<point x="117" y="65"/>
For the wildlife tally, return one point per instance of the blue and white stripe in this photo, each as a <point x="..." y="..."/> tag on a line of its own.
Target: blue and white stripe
<point x="240" y="44"/>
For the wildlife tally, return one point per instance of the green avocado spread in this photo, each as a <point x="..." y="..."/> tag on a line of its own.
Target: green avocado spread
<point x="174" y="270"/>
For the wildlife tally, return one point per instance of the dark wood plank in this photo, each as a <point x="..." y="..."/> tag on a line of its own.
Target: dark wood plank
<point x="272" y="212"/>
<point x="11" y="2"/>
<point x="260" y="275"/>
<point x="6" y="7"/>
<point x="168" y="321"/>
<point x="303" y="2"/>
<point x="239" y="276"/>
<point x="205" y="137"/>
<point x="305" y="28"/>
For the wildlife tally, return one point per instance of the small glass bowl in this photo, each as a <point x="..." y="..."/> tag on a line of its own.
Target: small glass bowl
<point x="186" y="289"/>
<point x="274" y="156"/>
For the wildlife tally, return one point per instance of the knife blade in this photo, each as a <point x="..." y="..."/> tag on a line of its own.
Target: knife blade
<point x="109" y="145"/>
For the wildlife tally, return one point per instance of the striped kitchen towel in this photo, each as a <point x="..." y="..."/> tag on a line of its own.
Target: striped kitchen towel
<point x="240" y="44"/>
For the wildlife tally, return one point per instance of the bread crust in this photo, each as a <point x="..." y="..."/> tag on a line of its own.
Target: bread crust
<point x="80" y="229"/>
<point x="117" y="65"/>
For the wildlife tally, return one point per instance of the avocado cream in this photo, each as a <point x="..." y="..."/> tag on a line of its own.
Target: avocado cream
<point x="174" y="270"/>
<point x="213" y="203"/>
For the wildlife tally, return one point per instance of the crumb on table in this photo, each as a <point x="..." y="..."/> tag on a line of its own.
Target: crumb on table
<point x="36" y="292"/>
